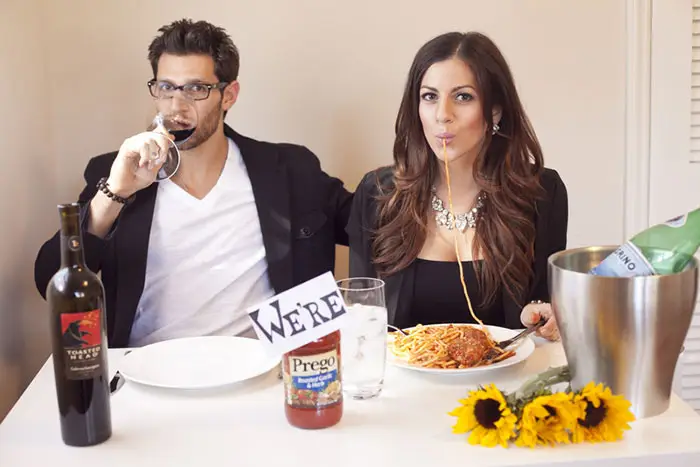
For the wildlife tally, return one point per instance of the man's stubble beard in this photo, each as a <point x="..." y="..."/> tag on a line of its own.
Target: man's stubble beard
<point x="205" y="129"/>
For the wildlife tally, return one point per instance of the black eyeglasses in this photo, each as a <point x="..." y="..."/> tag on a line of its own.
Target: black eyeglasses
<point x="193" y="91"/>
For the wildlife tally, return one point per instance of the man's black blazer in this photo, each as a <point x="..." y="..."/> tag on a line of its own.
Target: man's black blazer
<point x="303" y="213"/>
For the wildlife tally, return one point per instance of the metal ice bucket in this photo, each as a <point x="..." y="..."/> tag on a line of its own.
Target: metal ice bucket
<point x="624" y="332"/>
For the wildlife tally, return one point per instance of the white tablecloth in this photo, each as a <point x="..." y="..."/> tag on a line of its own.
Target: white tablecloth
<point x="245" y="426"/>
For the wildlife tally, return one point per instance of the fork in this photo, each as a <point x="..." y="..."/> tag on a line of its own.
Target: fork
<point x="117" y="380"/>
<point x="508" y="342"/>
<point x="398" y="329"/>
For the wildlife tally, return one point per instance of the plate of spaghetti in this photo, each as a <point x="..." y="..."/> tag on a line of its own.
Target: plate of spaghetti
<point x="456" y="348"/>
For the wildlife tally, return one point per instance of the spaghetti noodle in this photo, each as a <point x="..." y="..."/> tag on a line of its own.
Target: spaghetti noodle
<point x="459" y="259"/>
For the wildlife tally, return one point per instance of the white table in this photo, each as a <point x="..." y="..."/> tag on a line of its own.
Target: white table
<point x="245" y="426"/>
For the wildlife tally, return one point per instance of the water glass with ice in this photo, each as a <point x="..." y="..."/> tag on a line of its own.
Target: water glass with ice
<point x="363" y="339"/>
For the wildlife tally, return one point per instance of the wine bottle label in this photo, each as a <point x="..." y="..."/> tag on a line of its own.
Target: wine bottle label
<point x="81" y="343"/>
<point x="626" y="261"/>
<point x="313" y="381"/>
<point x="678" y="221"/>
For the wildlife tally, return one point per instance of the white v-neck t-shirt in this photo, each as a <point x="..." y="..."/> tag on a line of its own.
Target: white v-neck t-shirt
<point x="206" y="261"/>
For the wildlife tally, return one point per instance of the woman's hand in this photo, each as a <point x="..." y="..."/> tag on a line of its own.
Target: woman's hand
<point x="532" y="313"/>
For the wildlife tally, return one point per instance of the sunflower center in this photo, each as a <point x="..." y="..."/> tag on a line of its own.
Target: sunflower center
<point x="594" y="415"/>
<point x="487" y="412"/>
<point x="551" y="411"/>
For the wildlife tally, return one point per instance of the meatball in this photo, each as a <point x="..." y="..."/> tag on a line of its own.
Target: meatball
<point x="471" y="349"/>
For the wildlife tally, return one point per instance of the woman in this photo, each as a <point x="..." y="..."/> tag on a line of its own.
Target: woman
<point x="460" y="104"/>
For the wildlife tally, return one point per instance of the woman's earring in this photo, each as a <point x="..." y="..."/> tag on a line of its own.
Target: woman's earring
<point x="495" y="128"/>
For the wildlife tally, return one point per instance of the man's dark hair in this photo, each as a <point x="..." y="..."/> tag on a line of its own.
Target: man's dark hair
<point x="185" y="37"/>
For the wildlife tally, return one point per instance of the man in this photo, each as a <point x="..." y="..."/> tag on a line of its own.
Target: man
<point x="240" y="220"/>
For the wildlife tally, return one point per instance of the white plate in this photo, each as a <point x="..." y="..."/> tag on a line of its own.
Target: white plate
<point x="197" y="362"/>
<point x="523" y="350"/>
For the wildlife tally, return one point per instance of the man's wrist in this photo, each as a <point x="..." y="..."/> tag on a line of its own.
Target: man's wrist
<point x="115" y="193"/>
<point x="117" y="189"/>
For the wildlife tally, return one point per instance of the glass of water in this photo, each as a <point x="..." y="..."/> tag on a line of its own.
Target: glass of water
<point x="363" y="338"/>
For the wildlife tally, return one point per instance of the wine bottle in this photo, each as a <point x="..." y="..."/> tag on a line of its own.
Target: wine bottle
<point x="75" y="296"/>
<point x="664" y="248"/>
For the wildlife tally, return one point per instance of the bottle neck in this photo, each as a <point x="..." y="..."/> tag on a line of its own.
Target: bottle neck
<point x="71" y="241"/>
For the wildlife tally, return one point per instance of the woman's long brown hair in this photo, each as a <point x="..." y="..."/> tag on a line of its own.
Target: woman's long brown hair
<point x="507" y="170"/>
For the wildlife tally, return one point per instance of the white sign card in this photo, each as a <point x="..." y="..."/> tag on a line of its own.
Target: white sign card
<point x="299" y="315"/>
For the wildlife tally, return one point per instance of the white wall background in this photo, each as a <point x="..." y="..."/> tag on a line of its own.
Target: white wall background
<point x="325" y="74"/>
<point x="673" y="181"/>
<point x="330" y="75"/>
<point x="27" y="193"/>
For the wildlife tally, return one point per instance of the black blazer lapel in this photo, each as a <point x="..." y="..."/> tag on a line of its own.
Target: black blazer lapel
<point x="269" y="178"/>
<point x="131" y="255"/>
<point x="398" y="292"/>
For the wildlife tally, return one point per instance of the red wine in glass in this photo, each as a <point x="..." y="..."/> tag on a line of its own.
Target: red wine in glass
<point x="182" y="135"/>
<point x="181" y="124"/>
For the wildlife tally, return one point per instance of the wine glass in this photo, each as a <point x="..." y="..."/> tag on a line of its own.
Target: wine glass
<point x="177" y="119"/>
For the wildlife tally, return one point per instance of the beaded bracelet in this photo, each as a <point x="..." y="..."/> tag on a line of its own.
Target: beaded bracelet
<point x="104" y="188"/>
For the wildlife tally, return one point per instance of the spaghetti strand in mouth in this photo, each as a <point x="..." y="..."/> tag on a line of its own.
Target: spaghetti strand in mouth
<point x="459" y="259"/>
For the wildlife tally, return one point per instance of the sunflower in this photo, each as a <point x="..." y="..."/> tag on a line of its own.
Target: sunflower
<point x="487" y="416"/>
<point x="604" y="415"/>
<point x="547" y="419"/>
